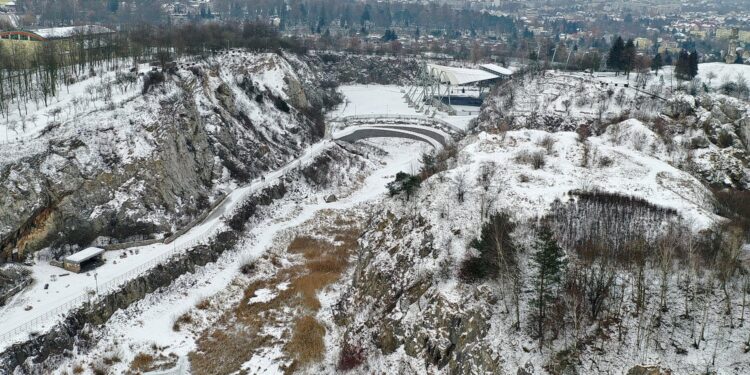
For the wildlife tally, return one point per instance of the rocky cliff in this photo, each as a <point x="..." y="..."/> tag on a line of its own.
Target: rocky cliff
<point x="148" y="166"/>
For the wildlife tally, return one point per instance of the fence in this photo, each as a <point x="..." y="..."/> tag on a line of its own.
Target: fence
<point x="388" y="118"/>
<point x="104" y="289"/>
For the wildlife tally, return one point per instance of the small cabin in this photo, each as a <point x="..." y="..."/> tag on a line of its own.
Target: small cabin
<point x="87" y="258"/>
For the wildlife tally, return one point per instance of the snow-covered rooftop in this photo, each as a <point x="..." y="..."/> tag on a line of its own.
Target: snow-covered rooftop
<point x="497" y="69"/>
<point x="69" y="31"/>
<point x="460" y="76"/>
<point x="84" y="255"/>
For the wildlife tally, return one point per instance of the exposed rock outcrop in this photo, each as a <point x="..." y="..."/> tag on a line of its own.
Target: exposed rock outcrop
<point x="150" y="167"/>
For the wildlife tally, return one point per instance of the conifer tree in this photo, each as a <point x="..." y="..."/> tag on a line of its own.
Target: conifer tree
<point x="549" y="262"/>
<point x="657" y="63"/>
<point x="682" y="69"/>
<point x="628" y="56"/>
<point x="693" y="65"/>
<point x="614" y="60"/>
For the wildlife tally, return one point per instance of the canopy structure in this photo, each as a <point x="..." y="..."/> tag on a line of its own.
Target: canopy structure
<point x="459" y="76"/>
<point x="84" y="255"/>
<point x="496" y="69"/>
<point x="84" y="259"/>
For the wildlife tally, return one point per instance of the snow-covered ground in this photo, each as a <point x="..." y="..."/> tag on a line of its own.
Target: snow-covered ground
<point x="103" y="92"/>
<point x="722" y="72"/>
<point x="57" y="291"/>
<point x="389" y="100"/>
<point x="150" y="321"/>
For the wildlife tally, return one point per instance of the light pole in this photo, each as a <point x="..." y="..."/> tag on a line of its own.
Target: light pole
<point x="96" y="282"/>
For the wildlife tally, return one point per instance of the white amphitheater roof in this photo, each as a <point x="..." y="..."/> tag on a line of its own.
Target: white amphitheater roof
<point x="497" y="69"/>
<point x="459" y="76"/>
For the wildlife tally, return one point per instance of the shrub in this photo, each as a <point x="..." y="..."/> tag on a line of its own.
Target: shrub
<point x="152" y="78"/>
<point x="724" y="139"/>
<point x="112" y="358"/>
<point x="497" y="251"/>
<point x="535" y="159"/>
<point x="203" y="304"/>
<point x="185" y="318"/>
<point x="307" y="344"/>
<point x="735" y="205"/>
<point x="351" y="357"/>
<point x="548" y="143"/>
<point x="142" y="362"/>
<point x="404" y="183"/>
<point x="99" y="368"/>
<point x="605" y="161"/>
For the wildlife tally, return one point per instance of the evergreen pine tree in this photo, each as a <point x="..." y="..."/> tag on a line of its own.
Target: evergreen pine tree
<point x="405" y="183"/>
<point x="628" y="56"/>
<point x="682" y="69"/>
<point x="549" y="262"/>
<point x="614" y="61"/>
<point x="657" y="63"/>
<point x="693" y="65"/>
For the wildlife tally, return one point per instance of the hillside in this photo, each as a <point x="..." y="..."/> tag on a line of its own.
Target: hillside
<point x="143" y="165"/>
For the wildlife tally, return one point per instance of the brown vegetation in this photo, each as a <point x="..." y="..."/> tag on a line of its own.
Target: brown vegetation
<point x="307" y="343"/>
<point x="142" y="362"/>
<point x="317" y="262"/>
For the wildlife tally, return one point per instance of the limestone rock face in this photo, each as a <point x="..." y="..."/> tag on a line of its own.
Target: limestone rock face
<point x="149" y="167"/>
<point x="391" y="307"/>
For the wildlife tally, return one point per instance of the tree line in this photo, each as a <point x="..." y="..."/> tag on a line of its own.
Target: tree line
<point x="623" y="57"/>
<point x="36" y="74"/>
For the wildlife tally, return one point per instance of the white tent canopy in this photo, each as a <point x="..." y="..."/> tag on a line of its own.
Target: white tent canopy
<point x="459" y="76"/>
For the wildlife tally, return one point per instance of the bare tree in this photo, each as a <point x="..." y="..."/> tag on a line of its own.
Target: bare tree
<point x="459" y="181"/>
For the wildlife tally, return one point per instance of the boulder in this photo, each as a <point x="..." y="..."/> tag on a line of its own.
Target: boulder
<point x="331" y="198"/>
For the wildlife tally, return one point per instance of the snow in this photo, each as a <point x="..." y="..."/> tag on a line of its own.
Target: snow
<point x="69" y="31"/>
<point x="459" y="76"/>
<point x="84" y="255"/>
<point x="723" y="72"/>
<point x="390" y="101"/>
<point x="65" y="291"/>
<point x="150" y="320"/>
<point x="262" y="295"/>
<point x="497" y="69"/>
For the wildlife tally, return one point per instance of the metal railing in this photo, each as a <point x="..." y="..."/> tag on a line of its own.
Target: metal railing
<point x="113" y="285"/>
<point x="389" y="118"/>
<point x="105" y="288"/>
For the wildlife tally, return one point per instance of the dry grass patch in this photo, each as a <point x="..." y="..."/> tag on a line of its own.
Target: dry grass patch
<point x="317" y="261"/>
<point x="142" y="362"/>
<point x="307" y="245"/>
<point x="306" y="345"/>
<point x="183" y="319"/>
<point x="203" y="304"/>
<point x="224" y="352"/>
